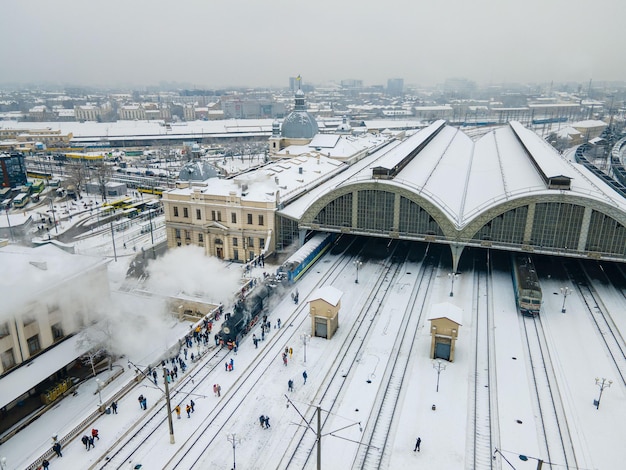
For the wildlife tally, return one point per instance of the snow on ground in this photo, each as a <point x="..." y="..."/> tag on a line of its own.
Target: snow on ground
<point x="576" y="351"/>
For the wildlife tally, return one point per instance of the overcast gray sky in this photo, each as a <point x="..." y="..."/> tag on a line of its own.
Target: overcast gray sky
<point x="215" y="43"/>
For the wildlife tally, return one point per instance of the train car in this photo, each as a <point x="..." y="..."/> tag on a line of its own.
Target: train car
<point x="245" y="314"/>
<point x="303" y="259"/>
<point x="526" y="283"/>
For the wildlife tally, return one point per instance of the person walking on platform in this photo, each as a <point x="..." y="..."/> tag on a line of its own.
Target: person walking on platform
<point x="417" y="444"/>
<point x="57" y="449"/>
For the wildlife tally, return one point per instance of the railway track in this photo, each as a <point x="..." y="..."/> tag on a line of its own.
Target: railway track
<point x="375" y="454"/>
<point x="302" y="444"/>
<point x="553" y="427"/>
<point x="608" y="331"/>
<point x="127" y="446"/>
<point x="195" y="448"/>
<point x="483" y="417"/>
<point x="300" y="449"/>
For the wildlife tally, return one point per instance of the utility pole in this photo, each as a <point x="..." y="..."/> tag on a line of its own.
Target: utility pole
<point x="113" y="238"/>
<point x="169" y="406"/>
<point x="319" y="437"/>
<point x="319" y="434"/>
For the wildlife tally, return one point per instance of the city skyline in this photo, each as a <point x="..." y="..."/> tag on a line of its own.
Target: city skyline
<point x="261" y="44"/>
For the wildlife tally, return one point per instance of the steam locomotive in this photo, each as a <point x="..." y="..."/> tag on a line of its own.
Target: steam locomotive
<point x="245" y="314"/>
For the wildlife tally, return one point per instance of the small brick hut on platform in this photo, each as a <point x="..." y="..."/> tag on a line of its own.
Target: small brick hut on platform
<point x="324" y="311"/>
<point x="445" y="320"/>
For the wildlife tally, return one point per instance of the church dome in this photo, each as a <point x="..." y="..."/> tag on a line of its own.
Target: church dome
<point x="198" y="171"/>
<point x="299" y="124"/>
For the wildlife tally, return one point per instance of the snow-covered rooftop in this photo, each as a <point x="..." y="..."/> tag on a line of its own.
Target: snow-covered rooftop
<point x="278" y="181"/>
<point x="464" y="178"/>
<point x="36" y="270"/>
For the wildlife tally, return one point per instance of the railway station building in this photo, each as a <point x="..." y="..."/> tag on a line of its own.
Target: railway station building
<point x="508" y="190"/>
<point x="235" y="218"/>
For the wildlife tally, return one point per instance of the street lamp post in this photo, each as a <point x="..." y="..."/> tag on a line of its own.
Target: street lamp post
<point x="452" y="277"/>
<point x="232" y="438"/>
<point x="565" y="291"/>
<point x="438" y="365"/>
<point x="602" y="383"/>
<point x="305" y="339"/>
<point x="358" y="264"/>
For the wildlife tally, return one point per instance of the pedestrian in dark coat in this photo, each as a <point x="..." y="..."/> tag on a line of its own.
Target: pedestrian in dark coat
<point x="91" y="444"/>
<point x="45" y="464"/>
<point x="305" y="376"/>
<point x="154" y="376"/>
<point x="417" y="444"/>
<point x="267" y="422"/>
<point x="114" y="407"/>
<point x="262" y="420"/>
<point x="144" y="403"/>
<point x="193" y="406"/>
<point x="85" y="440"/>
<point x="290" y="385"/>
<point x="57" y="449"/>
<point x="140" y="400"/>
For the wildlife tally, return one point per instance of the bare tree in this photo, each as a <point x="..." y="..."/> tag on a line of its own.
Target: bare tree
<point x="102" y="174"/>
<point x="76" y="177"/>
<point x="98" y="339"/>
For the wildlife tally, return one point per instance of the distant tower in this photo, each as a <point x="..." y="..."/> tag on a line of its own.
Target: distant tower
<point x="276" y="138"/>
<point x="395" y="86"/>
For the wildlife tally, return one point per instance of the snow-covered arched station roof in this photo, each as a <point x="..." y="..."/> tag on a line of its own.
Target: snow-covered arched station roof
<point x="465" y="178"/>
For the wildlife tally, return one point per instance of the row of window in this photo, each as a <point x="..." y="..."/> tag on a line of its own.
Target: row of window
<point x="216" y="216"/>
<point x="34" y="346"/>
<point x="235" y="240"/>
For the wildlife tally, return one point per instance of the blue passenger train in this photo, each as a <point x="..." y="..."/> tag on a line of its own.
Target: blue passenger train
<point x="309" y="253"/>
